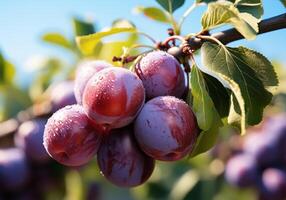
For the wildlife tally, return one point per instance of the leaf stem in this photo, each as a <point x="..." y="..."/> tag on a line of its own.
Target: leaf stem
<point x="210" y="38"/>
<point x="174" y="37"/>
<point x="147" y="36"/>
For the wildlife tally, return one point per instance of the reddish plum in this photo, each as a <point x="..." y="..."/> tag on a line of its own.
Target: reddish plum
<point x="84" y="72"/>
<point x="166" y="128"/>
<point x="161" y="75"/>
<point x="62" y="94"/>
<point x="14" y="169"/>
<point x="29" y="137"/>
<point x="70" y="138"/>
<point x="121" y="161"/>
<point x="113" y="97"/>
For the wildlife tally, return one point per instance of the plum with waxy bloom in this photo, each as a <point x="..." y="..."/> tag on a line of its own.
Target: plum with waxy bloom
<point x="70" y="138"/>
<point x="161" y="75"/>
<point x="85" y="71"/>
<point x="121" y="161"/>
<point x="166" y="128"/>
<point x="113" y="97"/>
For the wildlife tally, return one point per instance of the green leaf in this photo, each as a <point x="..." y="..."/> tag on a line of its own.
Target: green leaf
<point x="205" y="1"/>
<point x="220" y="13"/>
<point x="87" y="43"/>
<point x="261" y="65"/>
<point x="82" y="27"/>
<point x="283" y="2"/>
<point x="57" y="39"/>
<point x="219" y="94"/>
<point x="119" y="23"/>
<point x="2" y="69"/>
<point x="153" y="13"/>
<point x="13" y="99"/>
<point x="233" y="66"/>
<point x="202" y="103"/>
<point x="207" y="116"/>
<point x="253" y="7"/>
<point x="7" y="71"/>
<point x="207" y="139"/>
<point x="171" y="5"/>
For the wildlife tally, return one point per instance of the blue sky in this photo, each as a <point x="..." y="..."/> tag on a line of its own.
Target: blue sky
<point x="23" y="22"/>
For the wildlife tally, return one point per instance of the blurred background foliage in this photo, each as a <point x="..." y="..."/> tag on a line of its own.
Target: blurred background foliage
<point x="197" y="178"/>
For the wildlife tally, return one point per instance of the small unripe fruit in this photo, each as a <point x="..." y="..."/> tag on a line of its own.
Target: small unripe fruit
<point x="84" y="72"/>
<point x="166" y="128"/>
<point x="121" y="161"/>
<point x="113" y="97"/>
<point x="70" y="138"/>
<point x="161" y="75"/>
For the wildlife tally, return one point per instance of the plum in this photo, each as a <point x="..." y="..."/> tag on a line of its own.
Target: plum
<point x="161" y="75"/>
<point x="121" y="161"/>
<point x="62" y="94"/>
<point x="29" y="138"/>
<point x="273" y="184"/>
<point x="166" y="128"/>
<point x="85" y="71"/>
<point x="242" y="170"/>
<point x="263" y="147"/>
<point x="14" y="169"/>
<point x="113" y="97"/>
<point x="70" y="138"/>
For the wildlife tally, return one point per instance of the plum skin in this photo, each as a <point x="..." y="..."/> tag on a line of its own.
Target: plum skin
<point x="166" y="128"/>
<point x="62" y="94"/>
<point x="14" y="168"/>
<point x="242" y="170"/>
<point x="113" y="97"/>
<point x="273" y="184"/>
<point x="29" y="138"/>
<point x="84" y="72"/>
<point x="70" y="138"/>
<point x="121" y="160"/>
<point x="161" y="75"/>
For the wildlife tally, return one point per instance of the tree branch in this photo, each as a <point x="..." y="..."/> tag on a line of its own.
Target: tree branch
<point x="231" y="35"/>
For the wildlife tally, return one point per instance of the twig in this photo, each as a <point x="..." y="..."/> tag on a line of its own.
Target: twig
<point x="231" y="35"/>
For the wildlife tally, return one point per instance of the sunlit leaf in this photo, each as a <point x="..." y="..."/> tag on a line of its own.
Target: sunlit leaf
<point x="233" y="66"/>
<point x="57" y="39"/>
<point x="220" y="13"/>
<point x="207" y="116"/>
<point x="7" y="71"/>
<point x="154" y="13"/>
<point x="202" y="103"/>
<point x="168" y="4"/>
<point x="82" y="27"/>
<point x="119" y="23"/>
<point x="253" y="7"/>
<point x="87" y="43"/>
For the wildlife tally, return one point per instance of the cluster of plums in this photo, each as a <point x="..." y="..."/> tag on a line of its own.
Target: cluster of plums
<point x="25" y="161"/>
<point x="128" y="119"/>
<point x="262" y="162"/>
